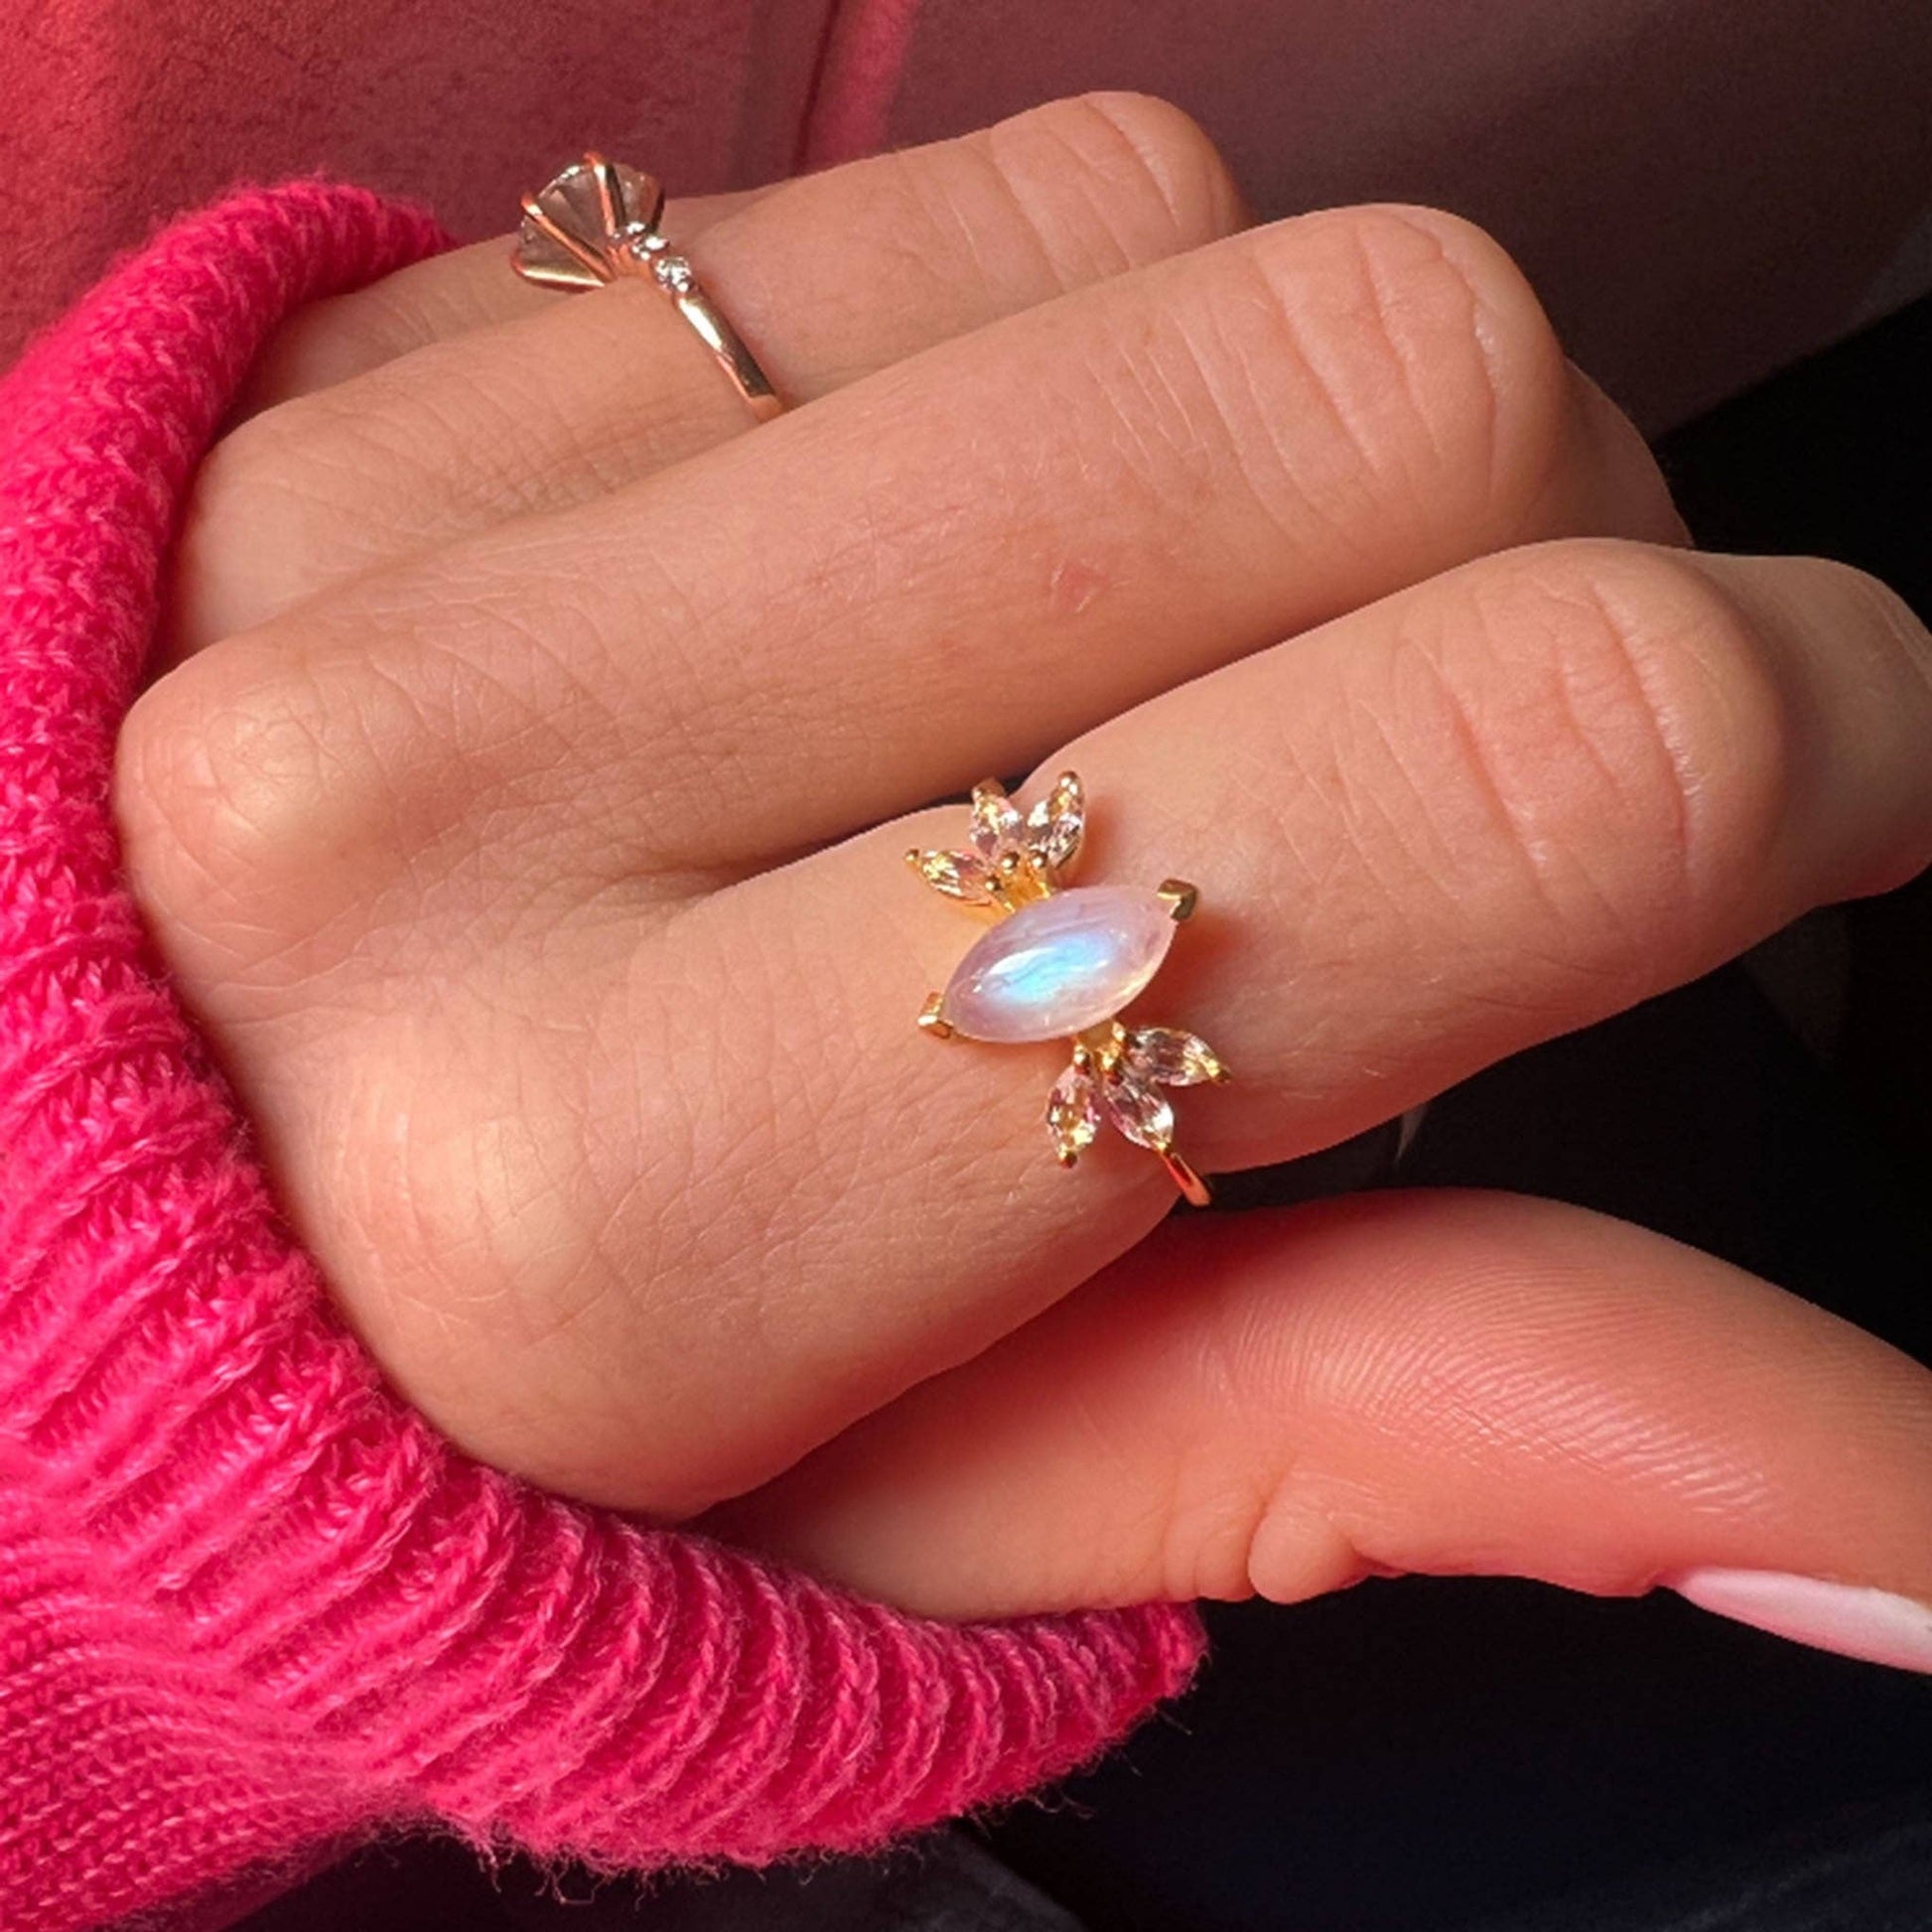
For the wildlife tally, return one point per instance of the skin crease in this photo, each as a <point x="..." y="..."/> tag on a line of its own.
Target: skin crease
<point x="504" y="826"/>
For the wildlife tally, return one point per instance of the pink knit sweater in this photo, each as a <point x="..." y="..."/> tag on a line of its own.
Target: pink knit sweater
<point x="249" y="1603"/>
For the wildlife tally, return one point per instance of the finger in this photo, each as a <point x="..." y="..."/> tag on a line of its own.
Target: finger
<point x="994" y="545"/>
<point x="709" y="1154"/>
<point x="453" y="294"/>
<point x="1435" y="1383"/>
<point x="1495" y="808"/>
<point x="827" y="277"/>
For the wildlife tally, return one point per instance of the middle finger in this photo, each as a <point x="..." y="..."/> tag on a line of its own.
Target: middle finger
<point x="959" y="562"/>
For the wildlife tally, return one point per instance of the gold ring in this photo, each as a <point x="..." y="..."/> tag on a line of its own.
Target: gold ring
<point x="596" y="221"/>
<point x="1062" y="963"/>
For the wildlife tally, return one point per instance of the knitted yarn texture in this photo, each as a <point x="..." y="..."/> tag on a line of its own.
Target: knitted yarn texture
<point x="249" y="1601"/>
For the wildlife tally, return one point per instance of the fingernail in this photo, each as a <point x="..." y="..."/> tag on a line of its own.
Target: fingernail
<point x="1871" y="1625"/>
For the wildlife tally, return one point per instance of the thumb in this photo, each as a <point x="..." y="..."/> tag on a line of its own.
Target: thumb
<point x="1437" y="1382"/>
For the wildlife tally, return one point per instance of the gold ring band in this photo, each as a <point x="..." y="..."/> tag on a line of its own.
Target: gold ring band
<point x="596" y="221"/>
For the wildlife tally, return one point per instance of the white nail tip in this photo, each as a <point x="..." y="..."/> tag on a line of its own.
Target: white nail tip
<point x="1871" y="1625"/>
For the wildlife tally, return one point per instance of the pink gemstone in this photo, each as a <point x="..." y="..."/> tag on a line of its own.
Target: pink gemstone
<point x="1073" y="1113"/>
<point x="1060" y="965"/>
<point x="1144" y="1114"/>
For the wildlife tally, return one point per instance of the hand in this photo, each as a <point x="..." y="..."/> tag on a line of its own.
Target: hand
<point x="511" y="821"/>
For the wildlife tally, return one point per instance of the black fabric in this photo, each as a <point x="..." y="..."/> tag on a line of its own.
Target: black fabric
<point x="942" y="1883"/>
<point x="1868" y="1868"/>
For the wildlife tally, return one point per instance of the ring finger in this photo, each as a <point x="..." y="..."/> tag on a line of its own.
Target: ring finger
<point x="1497" y="807"/>
<point x="712" y="1157"/>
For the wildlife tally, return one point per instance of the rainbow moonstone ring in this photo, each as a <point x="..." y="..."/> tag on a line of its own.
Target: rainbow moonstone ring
<point x="1062" y="963"/>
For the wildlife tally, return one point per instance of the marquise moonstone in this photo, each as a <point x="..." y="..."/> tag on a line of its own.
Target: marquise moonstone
<point x="1060" y="965"/>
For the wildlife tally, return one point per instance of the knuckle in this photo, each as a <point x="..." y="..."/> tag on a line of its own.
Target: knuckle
<point x="336" y="340"/>
<point x="1155" y="154"/>
<point x="1098" y="183"/>
<point x="1855" y="664"/>
<point x="1420" y="345"/>
<point x="1500" y="347"/>
<point x="1614" y="709"/>
<point x="208" y="772"/>
<point x="324" y="487"/>
<point x="229" y="789"/>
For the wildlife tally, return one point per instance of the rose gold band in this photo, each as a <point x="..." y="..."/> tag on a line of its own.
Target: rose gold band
<point x="596" y="221"/>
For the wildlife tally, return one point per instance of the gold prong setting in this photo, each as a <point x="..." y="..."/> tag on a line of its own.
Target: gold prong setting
<point x="1118" y="1074"/>
<point x="1009" y="861"/>
<point x="587" y="226"/>
<point x="1179" y="898"/>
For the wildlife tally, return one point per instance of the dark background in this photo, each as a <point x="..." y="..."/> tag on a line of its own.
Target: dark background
<point x="1431" y="1756"/>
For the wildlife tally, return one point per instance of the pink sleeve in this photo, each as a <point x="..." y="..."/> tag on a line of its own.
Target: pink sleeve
<point x="249" y="1603"/>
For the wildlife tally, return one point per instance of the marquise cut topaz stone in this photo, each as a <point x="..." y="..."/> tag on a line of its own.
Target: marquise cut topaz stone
<point x="1060" y="965"/>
